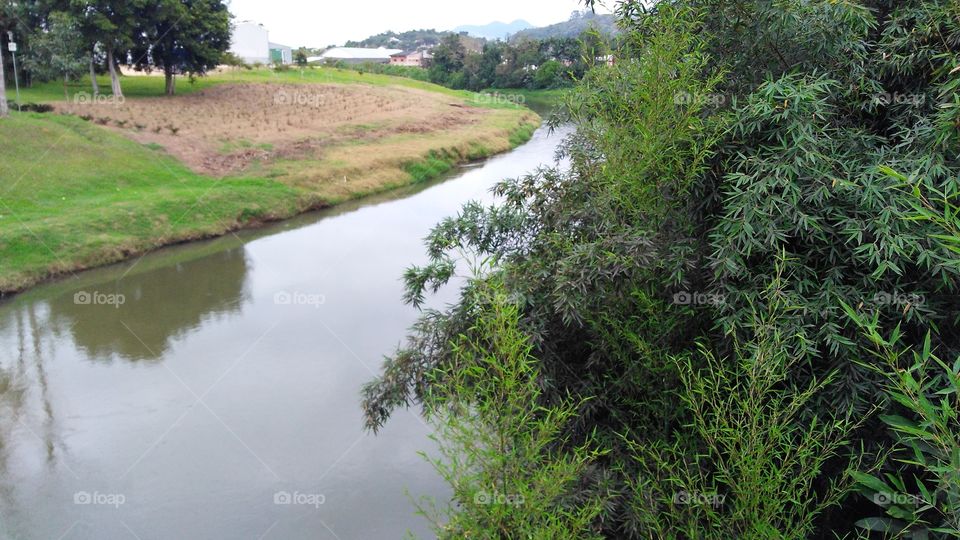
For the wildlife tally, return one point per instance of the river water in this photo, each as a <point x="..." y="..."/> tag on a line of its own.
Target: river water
<point x="212" y="390"/>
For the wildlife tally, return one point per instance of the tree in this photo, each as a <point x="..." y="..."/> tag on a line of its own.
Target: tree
<point x="91" y="36"/>
<point x="300" y="57"/>
<point x="114" y="21"/>
<point x="548" y="74"/>
<point x="448" y="58"/>
<point x="487" y="70"/>
<point x="232" y="60"/>
<point x="57" y="51"/>
<point x="499" y="446"/>
<point x="182" y="36"/>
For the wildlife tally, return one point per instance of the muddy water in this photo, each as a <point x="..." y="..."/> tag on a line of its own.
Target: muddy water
<point x="212" y="390"/>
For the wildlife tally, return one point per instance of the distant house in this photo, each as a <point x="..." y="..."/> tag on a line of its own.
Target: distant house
<point x="250" y="41"/>
<point x="356" y="55"/>
<point x="415" y="59"/>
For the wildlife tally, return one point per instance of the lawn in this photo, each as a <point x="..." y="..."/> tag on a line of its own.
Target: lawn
<point x="75" y="194"/>
<point x="539" y="100"/>
<point x="143" y="86"/>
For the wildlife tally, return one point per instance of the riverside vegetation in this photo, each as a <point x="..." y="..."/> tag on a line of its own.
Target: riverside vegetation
<point x="735" y="316"/>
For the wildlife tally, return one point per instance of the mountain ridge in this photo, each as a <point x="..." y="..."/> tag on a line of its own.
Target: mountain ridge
<point x="495" y="29"/>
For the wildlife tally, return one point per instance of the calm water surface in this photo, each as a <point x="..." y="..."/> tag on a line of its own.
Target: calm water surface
<point x="227" y="382"/>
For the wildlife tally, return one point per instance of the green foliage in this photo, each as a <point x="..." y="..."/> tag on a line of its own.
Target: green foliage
<point x="526" y="64"/>
<point x="920" y="491"/>
<point x="429" y="168"/>
<point x="181" y="37"/>
<point x="300" y="57"/>
<point x="57" y="51"/>
<point x="652" y="163"/>
<point x="409" y="40"/>
<point x="409" y="72"/>
<point x="502" y="449"/>
<point x="448" y="58"/>
<point x="729" y="144"/>
<point x="802" y="172"/>
<point x="748" y="464"/>
<point x="548" y="75"/>
<point x="227" y="58"/>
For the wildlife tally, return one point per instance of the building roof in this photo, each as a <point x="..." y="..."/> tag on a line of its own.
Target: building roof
<point x="356" y="53"/>
<point x="417" y="54"/>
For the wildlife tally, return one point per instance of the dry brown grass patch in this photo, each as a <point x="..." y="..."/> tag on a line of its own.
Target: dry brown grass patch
<point x="223" y="129"/>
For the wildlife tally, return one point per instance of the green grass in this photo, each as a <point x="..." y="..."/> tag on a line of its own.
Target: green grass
<point x="138" y="87"/>
<point x="242" y="144"/>
<point x="522" y="134"/>
<point x="539" y="100"/>
<point x="438" y="163"/>
<point x="76" y="196"/>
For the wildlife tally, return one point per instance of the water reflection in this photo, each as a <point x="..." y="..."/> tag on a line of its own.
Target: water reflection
<point x="23" y="378"/>
<point x="12" y="390"/>
<point x="157" y="307"/>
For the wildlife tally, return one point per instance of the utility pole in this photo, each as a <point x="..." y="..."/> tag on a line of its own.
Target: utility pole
<point x="4" y="109"/>
<point x="12" y="47"/>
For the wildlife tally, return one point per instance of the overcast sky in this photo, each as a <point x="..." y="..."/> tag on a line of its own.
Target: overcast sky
<point x="313" y="23"/>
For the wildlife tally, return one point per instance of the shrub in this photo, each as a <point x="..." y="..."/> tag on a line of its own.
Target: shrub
<point x="502" y="448"/>
<point x="749" y="464"/>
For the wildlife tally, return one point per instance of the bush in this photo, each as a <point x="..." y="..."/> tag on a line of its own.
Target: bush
<point x="919" y="489"/>
<point x="749" y="464"/>
<point x="30" y="107"/>
<point x="549" y="75"/>
<point x="502" y="449"/>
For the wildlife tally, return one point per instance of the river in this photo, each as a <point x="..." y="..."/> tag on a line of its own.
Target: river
<point x="212" y="390"/>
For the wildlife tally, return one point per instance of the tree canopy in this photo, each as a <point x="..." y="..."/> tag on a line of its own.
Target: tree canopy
<point x="182" y="37"/>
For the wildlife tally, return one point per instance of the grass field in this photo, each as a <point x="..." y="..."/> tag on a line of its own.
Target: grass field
<point x="539" y="100"/>
<point x="142" y="86"/>
<point x="75" y="194"/>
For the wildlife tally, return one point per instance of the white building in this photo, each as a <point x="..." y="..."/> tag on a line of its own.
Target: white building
<point x="251" y="42"/>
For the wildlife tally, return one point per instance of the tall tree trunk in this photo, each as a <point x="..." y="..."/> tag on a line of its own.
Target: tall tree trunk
<point x="66" y="93"/>
<point x="171" y="81"/>
<point x="93" y="74"/>
<point x="3" y="86"/>
<point x="114" y="78"/>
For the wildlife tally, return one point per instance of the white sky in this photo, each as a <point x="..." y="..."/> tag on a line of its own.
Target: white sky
<point x="313" y="23"/>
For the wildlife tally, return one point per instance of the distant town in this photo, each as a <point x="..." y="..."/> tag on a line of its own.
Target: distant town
<point x="251" y="44"/>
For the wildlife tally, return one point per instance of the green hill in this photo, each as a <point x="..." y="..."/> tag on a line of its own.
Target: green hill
<point x="580" y="22"/>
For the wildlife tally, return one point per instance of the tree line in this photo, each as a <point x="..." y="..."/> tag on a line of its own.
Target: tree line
<point x="529" y="64"/>
<point x="556" y="62"/>
<point x="65" y="39"/>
